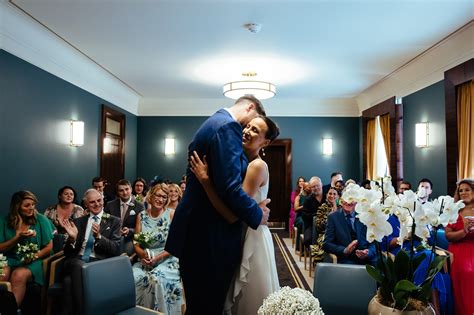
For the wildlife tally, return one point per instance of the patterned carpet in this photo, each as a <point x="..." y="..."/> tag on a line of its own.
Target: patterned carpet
<point x="288" y="272"/>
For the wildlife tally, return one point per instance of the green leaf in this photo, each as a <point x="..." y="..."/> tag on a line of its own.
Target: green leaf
<point x="402" y="265"/>
<point x="425" y="293"/>
<point x="374" y="273"/>
<point x="405" y="285"/>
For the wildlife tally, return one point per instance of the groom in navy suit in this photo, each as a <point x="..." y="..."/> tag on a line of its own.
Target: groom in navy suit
<point x="208" y="247"/>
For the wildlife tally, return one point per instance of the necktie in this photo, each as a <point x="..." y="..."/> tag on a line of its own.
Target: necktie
<point x="349" y="221"/>
<point x="90" y="242"/>
<point x="123" y="211"/>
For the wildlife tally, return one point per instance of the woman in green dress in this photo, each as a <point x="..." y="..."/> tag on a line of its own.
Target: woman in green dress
<point x="24" y="226"/>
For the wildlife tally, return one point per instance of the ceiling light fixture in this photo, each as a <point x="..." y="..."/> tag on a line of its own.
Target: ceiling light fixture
<point x="260" y="89"/>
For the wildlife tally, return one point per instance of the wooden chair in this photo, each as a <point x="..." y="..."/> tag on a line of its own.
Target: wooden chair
<point x="54" y="289"/>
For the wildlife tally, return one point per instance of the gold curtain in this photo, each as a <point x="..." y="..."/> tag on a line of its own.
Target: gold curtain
<point x="385" y="127"/>
<point x="370" y="140"/>
<point x="465" y="113"/>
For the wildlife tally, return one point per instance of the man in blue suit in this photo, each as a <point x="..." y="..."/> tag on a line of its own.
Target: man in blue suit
<point x="345" y="237"/>
<point x="209" y="248"/>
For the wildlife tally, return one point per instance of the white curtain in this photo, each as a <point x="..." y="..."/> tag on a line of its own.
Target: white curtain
<point x="380" y="156"/>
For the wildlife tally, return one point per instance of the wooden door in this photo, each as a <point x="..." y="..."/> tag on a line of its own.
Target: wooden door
<point x="112" y="157"/>
<point x="278" y="158"/>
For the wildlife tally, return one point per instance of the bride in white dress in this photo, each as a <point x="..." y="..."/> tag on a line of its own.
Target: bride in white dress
<point x="256" y="277"/>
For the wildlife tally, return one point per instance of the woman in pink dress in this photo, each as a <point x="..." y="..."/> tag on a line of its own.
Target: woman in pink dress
<point x="461" y="243"/>
<point x="299" y="187"/>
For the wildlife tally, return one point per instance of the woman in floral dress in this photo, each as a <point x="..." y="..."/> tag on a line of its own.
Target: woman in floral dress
<point x="157" y="280"/>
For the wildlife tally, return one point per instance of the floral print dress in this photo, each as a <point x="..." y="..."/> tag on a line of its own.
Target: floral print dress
<point x="158" y="288"/>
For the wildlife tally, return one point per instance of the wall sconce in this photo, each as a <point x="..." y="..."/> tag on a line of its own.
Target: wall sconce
<point x="327" y="146"/>
<point x="421" y="131"/>
<point x="169" y="146"/>
<point x="77" y="133"/>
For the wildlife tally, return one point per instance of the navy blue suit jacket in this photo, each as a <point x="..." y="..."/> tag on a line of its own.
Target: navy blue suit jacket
<point x="338" y="236"/>
<point x="197" y="229"/>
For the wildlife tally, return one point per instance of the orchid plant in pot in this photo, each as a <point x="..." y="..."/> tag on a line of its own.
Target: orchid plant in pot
<point x="396" y="276"/>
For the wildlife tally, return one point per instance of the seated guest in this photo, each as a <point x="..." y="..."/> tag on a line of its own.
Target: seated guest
<point x="24" y="225"/>
<point x="311" y="205"/>
<point x="125" y="207"/>
<point x="336" y="176"/>
<point x="182" y="185"/>
<point x="99" y="183"/>
<point x="174" y="196"/>
<point x="157" y="278"/>
<point x="317" y="250"/>
<point x="346" y="237"/>
<point x="92" y="237"/>
<point x="461" y="243"/>
<point x="425" y="188"/>
<point x="340" y="185"/>
<point x="404" y="185"/>
<point x="64" y="209"/>
<point x="299" y="188"/>
<point x="299" y="202"/>
<point x="140" y="189"/>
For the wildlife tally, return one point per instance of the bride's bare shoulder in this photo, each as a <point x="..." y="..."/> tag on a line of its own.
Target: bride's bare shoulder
<point x="258" y="164"/>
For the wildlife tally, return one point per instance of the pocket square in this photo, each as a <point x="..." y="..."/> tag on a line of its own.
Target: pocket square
<point x="132" y="212"/>
<point x="108" y="228"/>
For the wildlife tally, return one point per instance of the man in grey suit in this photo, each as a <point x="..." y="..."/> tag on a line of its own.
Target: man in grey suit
<point x="126" y="208"/>
<point x="92" y="237"/>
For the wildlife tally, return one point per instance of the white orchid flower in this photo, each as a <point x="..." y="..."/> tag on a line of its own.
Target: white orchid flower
<point x="422" y="231"/>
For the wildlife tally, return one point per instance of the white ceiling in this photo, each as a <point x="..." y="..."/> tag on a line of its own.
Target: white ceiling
<point x="187" y="49"/>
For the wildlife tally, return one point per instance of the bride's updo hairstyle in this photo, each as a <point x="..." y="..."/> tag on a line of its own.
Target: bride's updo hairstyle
<point x="273" y="131"/>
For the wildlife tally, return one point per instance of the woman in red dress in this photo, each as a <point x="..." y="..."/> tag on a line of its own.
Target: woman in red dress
<point x="461" y="243"/>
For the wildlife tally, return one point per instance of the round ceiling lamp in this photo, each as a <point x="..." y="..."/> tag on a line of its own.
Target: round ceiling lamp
<point x="259" y="89"/>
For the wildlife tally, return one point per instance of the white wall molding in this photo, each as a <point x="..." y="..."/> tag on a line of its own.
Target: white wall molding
<point x="27" y="39"/>
<point x="274" y="107"/>
<point x="424" y="70"/>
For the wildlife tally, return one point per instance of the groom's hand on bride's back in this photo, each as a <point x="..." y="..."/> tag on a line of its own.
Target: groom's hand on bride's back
<point x="265" y="210"/>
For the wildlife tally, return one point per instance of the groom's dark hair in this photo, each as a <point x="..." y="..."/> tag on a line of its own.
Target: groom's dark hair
<point x="248" y="98"/>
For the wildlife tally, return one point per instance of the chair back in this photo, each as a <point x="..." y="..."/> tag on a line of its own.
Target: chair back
<point x="108" y="286"/>
<point x="343" y="288"/>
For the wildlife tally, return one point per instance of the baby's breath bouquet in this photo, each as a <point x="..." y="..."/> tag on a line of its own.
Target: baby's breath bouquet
<point x="144" y="239"/>
<point x="290" y="301"/>
<point x="3" y="263"/>
<point x="27" y="251"/>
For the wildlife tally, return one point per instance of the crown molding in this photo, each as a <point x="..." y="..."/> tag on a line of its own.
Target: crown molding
<point x="29" y="40"/>
<point x="423" y="70"/>
<point x="274" y="107"/>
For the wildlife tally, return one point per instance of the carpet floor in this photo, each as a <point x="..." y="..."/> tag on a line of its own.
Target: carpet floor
<point x="289" y="273"/>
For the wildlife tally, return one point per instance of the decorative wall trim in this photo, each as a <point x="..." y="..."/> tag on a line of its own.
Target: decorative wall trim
<point x="423" y="70"/>
<point x="27" y="39"/>
<point x="273" y="107"/>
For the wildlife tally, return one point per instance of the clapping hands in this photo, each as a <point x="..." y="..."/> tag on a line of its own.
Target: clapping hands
<point x="70" y="228"/>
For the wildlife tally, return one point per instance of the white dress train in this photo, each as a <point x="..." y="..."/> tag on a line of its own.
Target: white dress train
<point x="256" y="277"/>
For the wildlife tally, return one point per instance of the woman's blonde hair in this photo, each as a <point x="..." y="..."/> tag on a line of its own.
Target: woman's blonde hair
<point x="161" y="186"/>
<point x="14" y="216"/>
<point x="178" y="189"/>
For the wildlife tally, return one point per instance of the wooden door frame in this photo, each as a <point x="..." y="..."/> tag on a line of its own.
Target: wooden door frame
<point x="453" y="78"/>
<point x="286" y="144"/>
<point x="396" y="136"/>
<point x="116" y="115"/>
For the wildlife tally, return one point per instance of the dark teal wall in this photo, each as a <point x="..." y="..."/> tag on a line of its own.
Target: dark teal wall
<point x="35" y="109"/>
<point x="426" y="105"/>
<point x="306" y="134"/>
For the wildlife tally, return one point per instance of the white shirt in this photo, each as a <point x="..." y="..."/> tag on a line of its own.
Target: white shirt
<point x="89" y="230"/>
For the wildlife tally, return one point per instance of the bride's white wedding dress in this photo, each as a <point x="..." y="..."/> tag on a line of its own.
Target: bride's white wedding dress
<point x="256" y="277"/>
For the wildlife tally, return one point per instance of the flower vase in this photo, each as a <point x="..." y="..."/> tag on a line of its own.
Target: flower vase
<point x="376" y="308"/>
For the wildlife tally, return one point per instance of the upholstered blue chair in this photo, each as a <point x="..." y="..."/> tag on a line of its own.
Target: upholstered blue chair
<point x="109" y="288"/>
<point x="343" y="288"/>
